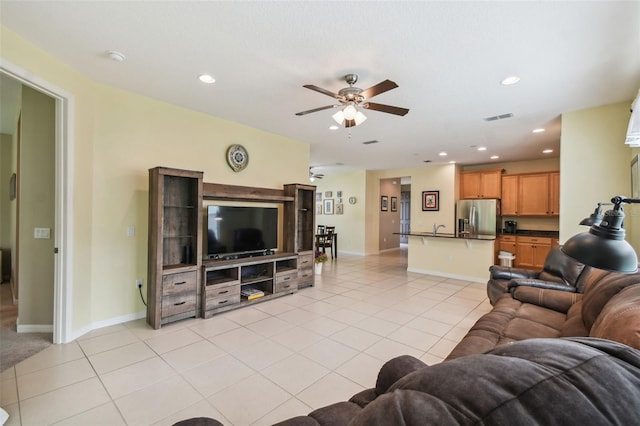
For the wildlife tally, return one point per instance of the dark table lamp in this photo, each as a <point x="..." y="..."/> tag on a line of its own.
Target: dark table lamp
<point x="604" y="246"/>
<point x="596" y="216"/>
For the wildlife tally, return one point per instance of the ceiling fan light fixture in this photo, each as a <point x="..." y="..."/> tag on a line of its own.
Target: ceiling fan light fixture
<point x="350" y="112"/>
<point x="360" y="118"/>
<point x="338" y="117"/>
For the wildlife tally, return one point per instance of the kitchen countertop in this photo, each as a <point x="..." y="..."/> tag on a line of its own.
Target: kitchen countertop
<point x="449" y="236"/>
<point x="532" y="233"/>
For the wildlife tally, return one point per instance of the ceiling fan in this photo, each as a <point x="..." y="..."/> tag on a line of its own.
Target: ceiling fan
<point x="352" y="98"/>
<point x="313" y="176"/>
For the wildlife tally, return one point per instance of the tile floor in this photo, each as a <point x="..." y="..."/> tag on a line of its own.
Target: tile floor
<point x="252" y="366"/>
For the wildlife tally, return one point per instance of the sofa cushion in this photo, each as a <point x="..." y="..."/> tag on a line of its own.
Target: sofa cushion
<point x="536" y="381"/>
<point x="574" y="326"/>
<point x="560" y="267"/>
<point x="620" y="318"/>
<point x="599" y="289"/>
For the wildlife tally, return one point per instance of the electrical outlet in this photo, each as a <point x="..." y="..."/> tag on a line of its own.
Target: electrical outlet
<point x="139" y="283"/>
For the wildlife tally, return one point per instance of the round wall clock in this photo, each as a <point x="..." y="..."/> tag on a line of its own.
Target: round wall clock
<point x="352" y="200"/>
<point x="237" y="157"/>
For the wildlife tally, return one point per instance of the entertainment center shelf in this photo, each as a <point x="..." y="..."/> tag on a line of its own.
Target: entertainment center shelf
<point x="182" y="284"/>
<point x="224" y="281"/>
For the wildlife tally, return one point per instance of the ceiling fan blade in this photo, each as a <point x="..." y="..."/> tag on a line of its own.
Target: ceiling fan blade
<point x="385" y="108"/>
<point x="349" y="123"/>
<point x="321" y="90"/>
<point x="381" y="87"/>
<point x="316" y="110"/>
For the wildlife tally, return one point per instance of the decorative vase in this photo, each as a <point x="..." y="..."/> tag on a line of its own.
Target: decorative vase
<point x="319" y="268"/>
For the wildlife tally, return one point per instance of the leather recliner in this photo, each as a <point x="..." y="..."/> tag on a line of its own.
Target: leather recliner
<point x="560" y="272"/>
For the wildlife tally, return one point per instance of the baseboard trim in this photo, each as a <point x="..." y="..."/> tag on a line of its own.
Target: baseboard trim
<point x="107" y="323"/>
<point x="446" y="275"/>
<point x="34" y="328"/>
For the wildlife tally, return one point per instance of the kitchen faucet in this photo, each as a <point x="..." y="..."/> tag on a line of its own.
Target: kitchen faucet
<point x="436" y="227"/>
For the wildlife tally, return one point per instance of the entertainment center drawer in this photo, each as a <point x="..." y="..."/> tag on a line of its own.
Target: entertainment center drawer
<point x="305" y="260"/>
<point x="219" y="302"/>
<point x="222" y="290"/>
<point x="286" y="282"/>
<point x="178" y="303"/>
<point x="180" y="282"/>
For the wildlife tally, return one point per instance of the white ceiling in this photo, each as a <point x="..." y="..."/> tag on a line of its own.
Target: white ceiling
<point x="448" y="59"/>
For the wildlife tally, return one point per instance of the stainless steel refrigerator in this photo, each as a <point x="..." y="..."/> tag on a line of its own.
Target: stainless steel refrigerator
<point x="477" y="217"/>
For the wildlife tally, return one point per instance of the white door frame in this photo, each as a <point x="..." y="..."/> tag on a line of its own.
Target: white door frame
<point x="63" y="232"/>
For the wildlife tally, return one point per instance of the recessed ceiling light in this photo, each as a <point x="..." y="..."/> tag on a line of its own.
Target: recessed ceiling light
<point x="547" y="151"/>
<point x="452" y="162"/>
<point x="443" y="154"/>
<point x="333" y="127"/>
<point x="510" y="80"/>
<point x="116" y="56"/>
<point x="427" y="161"/>
<point x="482" y="148"/>
<point x="206" y="78"/>
<point x="494" y="157"/>
<point x="539" y="130"/>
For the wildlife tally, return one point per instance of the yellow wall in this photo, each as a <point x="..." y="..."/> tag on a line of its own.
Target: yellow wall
<point x="118" y="136"/>
<point x="594" y="161"/>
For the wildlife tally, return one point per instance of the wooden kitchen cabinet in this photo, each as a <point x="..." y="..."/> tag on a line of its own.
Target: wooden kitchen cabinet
<point x="509" y="200"/>
<point x="531" y="252"/>
<point x="554" y="193"/>
<point x="481" y="184"/>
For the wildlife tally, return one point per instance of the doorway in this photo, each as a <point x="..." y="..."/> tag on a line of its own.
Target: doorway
<point x="405" y="216"/>
<point x="58" y="229"/>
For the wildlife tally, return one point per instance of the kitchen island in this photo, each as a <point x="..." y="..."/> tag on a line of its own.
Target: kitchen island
<point x="460" y="256"/>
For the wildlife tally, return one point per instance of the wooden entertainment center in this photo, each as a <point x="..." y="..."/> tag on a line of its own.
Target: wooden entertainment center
<point x="183" y="285"/>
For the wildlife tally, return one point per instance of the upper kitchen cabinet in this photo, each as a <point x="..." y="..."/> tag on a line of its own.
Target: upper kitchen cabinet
<point x="531" y="194"/>
<point x="481" y="184"/>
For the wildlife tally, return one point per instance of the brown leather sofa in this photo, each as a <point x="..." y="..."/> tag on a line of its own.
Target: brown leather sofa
<point x="560" y="272"/>
<point x="541" y="356"/>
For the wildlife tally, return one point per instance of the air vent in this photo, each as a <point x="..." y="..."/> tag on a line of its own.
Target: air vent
<point x="498" y="117"/>
<point x="369" y="142"/>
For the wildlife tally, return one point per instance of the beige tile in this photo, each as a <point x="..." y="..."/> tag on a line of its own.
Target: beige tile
<point x="114" y="359"/>
<point x="262" y="354"/>
<point x="443" y="348"/>
<point x="377" y="326"/>
<point x="102" y="331"/>
<point x="235" y="339"/>
<point x="295" y="373"/>
<point x="270" y="326"/>
<point x="187" y="357"/>
<point x="216" y="375"/>
<point x="331" y="388"/>
<point x="322" y="308"/>
<point x="14" y="414"/>
<point x="170" y="341"/>
<point x="431" y="359"/>
<point x="104" y="415"/>
<point x="199" y="409"/>
<point x="248" y="400"/>
<point x="108" y="341"/>
<point x="8" y="391"/>
<point x="158" y="401"/>
<point x="430" y="326"/>
<point x="136" y="376"/>
<point x="414" y="338"/>
<point x="395" y="316"/>
<point x="274" y="307"/>
<point x="329" y="353"/>
<point x="53" y="355"/>
<point x="387" y="349"/>
<point x="324" y="326"/>
<point x="299" y="316"/>
<point x="297" y="338"/>
<point x="355" y="338"/>
<point x="362" y="369"/>
<point x="291" y="408"/>
<point x="214" y="326"/>
<point x="63" y="403"/>
<point x="42" y="381"/>
<point x="348" y="316"/>
<point x="246" y="315"/>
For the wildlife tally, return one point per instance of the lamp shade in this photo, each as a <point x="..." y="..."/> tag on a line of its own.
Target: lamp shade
<point x="602" y="253"/>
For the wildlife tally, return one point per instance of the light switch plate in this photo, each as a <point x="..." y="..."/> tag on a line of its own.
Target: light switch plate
<point x="42" y="233"/>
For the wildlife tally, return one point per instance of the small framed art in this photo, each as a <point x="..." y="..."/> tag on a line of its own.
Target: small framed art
<point x="328" y="206"/>
<point x="394" y="204"/>
<point x="339" y="208"/>
<point x="384" y="203"/>
<point x="430" y="201"/>
<point x="318" y="207"/>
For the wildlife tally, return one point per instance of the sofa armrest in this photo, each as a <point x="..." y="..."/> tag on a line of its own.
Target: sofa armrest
<point x="532" y="282"/>
<point x="499" y="272"/>
<point x="394" y="369"/>
<point x="557" y="300"/>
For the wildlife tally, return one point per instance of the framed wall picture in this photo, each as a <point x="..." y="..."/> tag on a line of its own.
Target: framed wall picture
<point x="328" y="194"/>
<point x="339" y="194"/>
<point x="328" y="206"/>
<point x="318" y="196"/>
<point x="12" y="187"/>
<point x="318" y="207"/>
<point x="394" y="204"/>
<point x="384" y="203"/>
<point x="430" y="201"/>
<point x="339" y="208"/>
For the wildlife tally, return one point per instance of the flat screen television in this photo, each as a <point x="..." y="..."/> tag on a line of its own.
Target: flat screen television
<point x="241" y="230"/>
